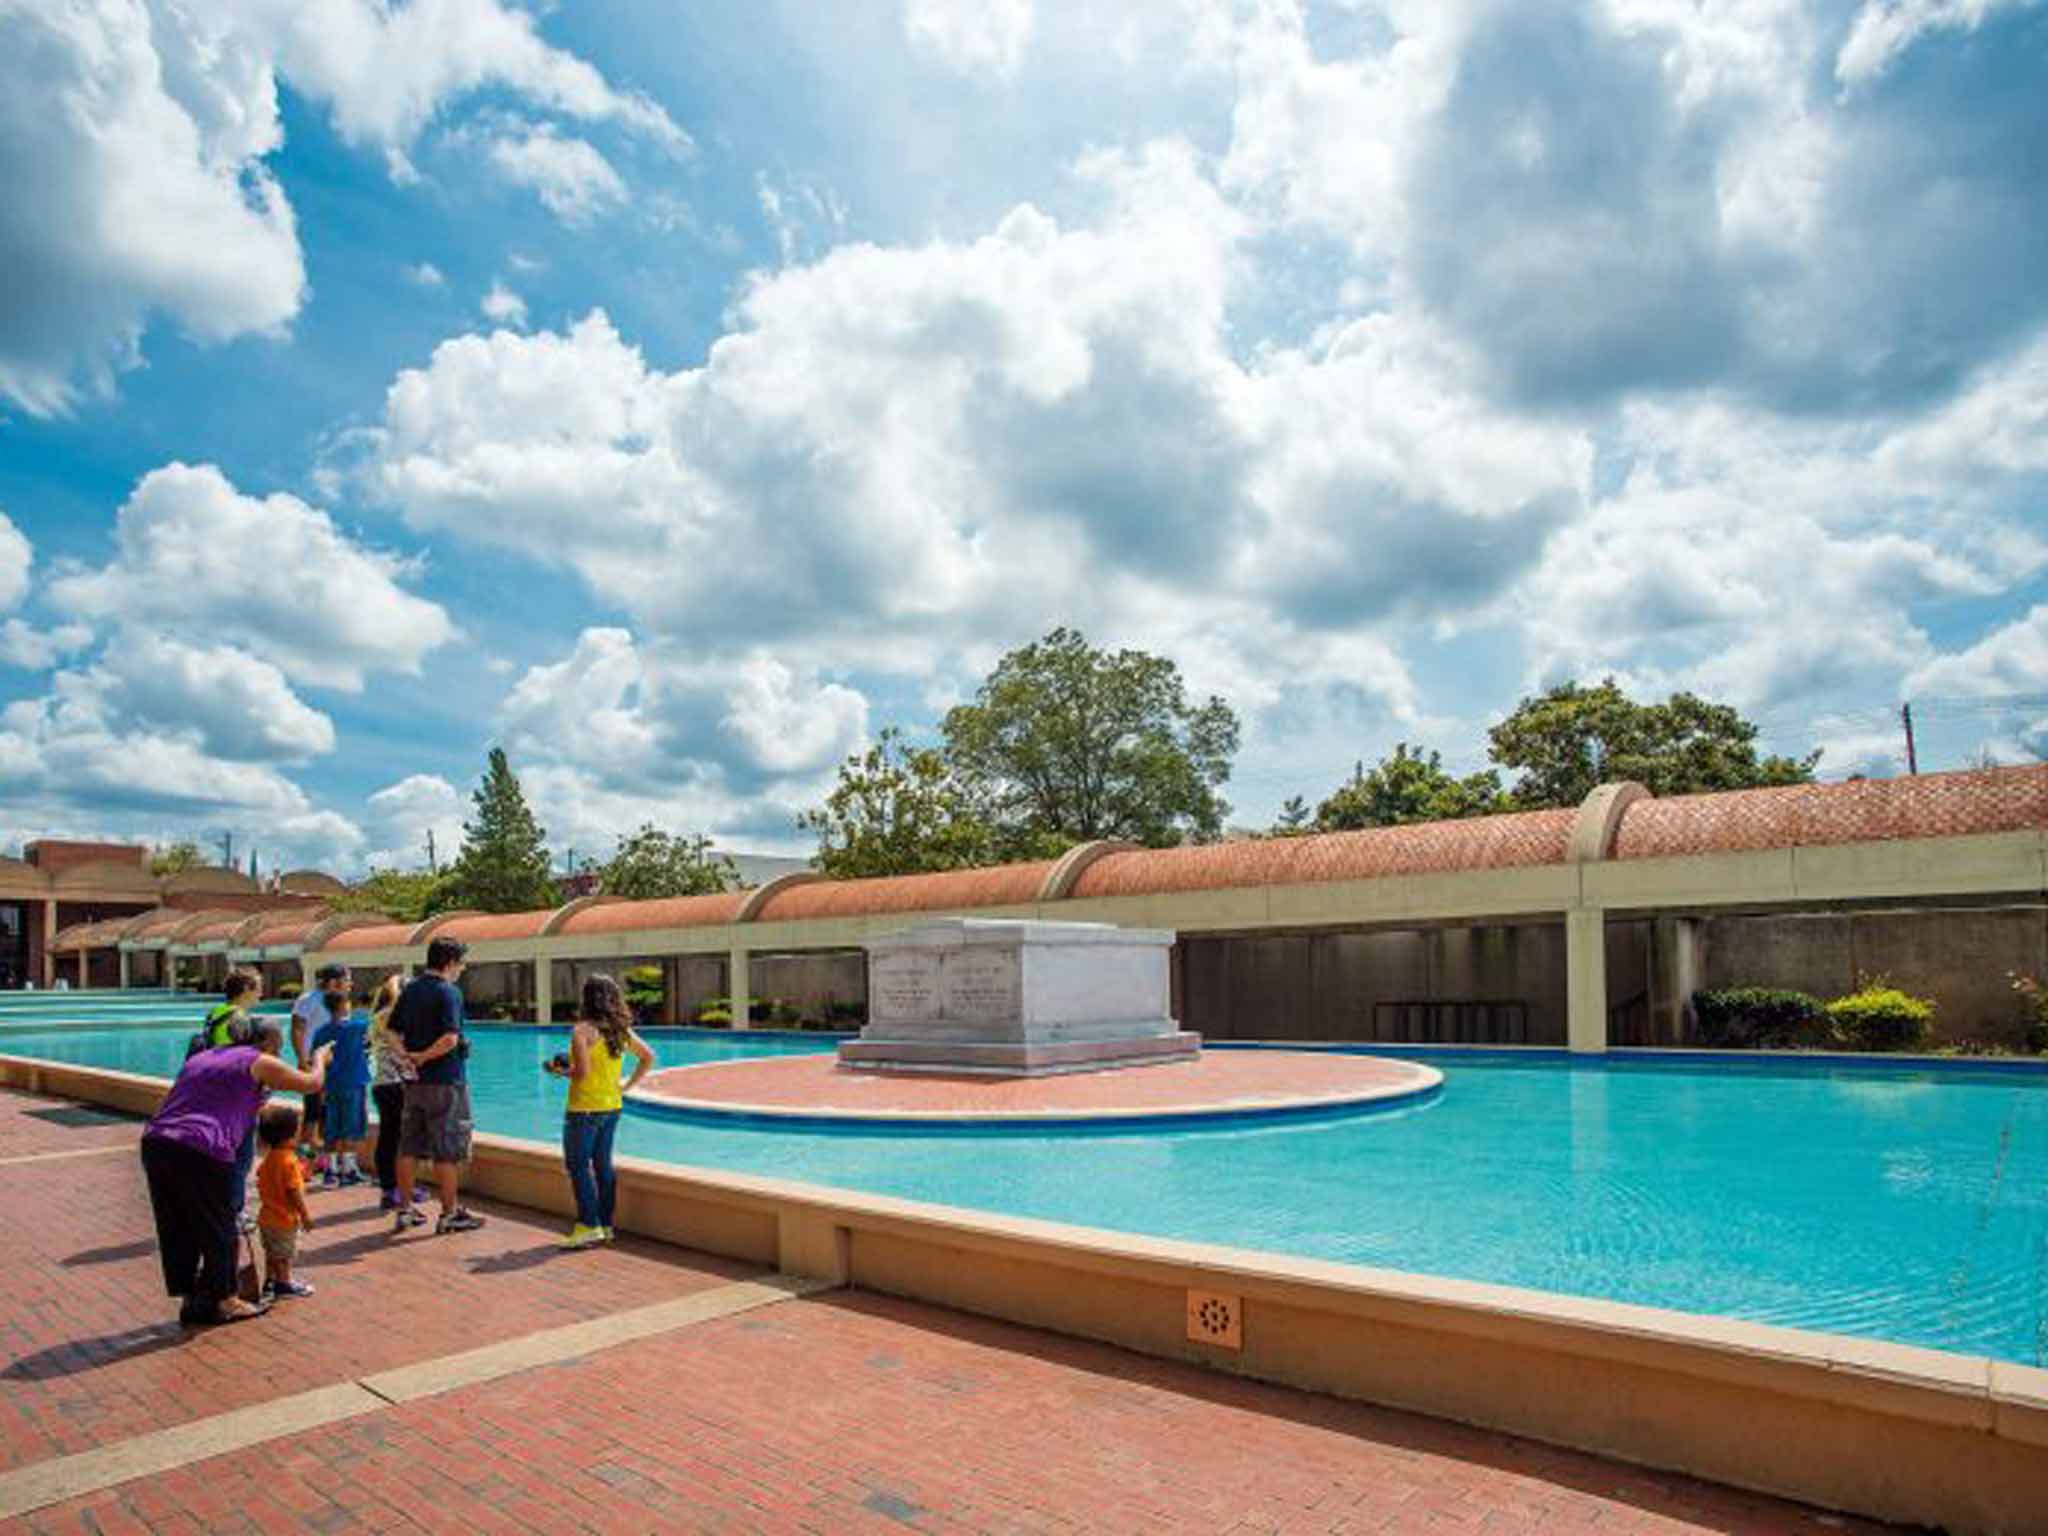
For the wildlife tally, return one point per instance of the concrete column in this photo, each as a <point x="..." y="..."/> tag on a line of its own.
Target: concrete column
<point x="737" y="987"/>
<point x="1585" y="970"/>
<point x="543" y="990"/>
<point x="672" y="991"/>
<point x="123" y="961"/>
<point x="49" y="945"/>
<point x="1674" y="977"/>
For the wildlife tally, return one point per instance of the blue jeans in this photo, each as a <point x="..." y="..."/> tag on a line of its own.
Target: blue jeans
<point x="245" y="1159"/>
<point x="587" y="1149"/>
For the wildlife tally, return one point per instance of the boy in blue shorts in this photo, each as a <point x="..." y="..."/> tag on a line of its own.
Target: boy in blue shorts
<point x="345" y="1114"/>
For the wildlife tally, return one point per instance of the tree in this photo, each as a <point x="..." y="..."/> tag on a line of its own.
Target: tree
<point x="1567" y="741"/>
<point x="1064" y="743"/>
<point x="1403" y="787"/>
<point x="1294" y="819"/>
<point x="404" y="896"/>
<point x="504" y="864"/>
<point x="652" y="863"/>
<point x="899" y="809"/>
<point x="174" y="858"/>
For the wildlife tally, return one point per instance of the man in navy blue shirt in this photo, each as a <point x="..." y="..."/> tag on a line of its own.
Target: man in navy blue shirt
<point x="437" y="1123"/>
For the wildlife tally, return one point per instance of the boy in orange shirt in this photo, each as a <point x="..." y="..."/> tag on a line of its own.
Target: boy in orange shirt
<point x="281" y="1187"/>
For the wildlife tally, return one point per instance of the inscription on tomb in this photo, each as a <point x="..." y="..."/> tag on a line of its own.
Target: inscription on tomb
<point x="982" y="985"/>
<point x="904" y="987"/>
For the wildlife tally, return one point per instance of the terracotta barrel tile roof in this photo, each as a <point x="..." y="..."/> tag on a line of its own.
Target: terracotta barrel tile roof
<point x="1822" y="815"/>
<point x="158" y="924"/>
<point x="385" y="936"/>
<point x="486" y="926"/>
<point x="282" y="928"/>
<point x="1006" y="885"/>
<point x="667" y="912"/>
<point x="1440" y="847"/>
<point x="103" y="934"/>
<point x="218" y="928"/>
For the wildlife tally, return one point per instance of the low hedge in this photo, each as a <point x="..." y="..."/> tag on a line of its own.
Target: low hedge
<point x="1879" y="1017"/>
<point x="1761" y="1019"/>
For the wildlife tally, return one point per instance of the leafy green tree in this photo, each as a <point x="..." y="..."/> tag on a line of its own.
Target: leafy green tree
<point x="504" y="864"/>
<point x="1566" y="742"/>
<point x="899" y="809"/>
<point x="175" y="858"/>
<point x="1407" y="786"/>
<point x="652" y="863"/>
<point x="1294" y="819"/>
<point x="404" y="896"/>
<point x="1064" y="743"/>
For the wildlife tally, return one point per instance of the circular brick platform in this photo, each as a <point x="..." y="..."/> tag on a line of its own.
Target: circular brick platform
<point x="1215" y="1085"/>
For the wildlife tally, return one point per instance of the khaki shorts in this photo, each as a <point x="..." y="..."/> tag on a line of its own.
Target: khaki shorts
<point x="436" y="1124"/>
<point x="280" y="1244"/>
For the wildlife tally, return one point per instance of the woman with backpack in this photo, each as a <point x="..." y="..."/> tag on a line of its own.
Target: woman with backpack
<point x="602" y="1039"/>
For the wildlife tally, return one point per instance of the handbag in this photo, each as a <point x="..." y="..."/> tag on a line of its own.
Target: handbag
<point x="249" y="1278"/>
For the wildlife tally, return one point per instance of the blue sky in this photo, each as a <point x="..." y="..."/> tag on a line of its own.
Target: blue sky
<point x="680" y="394"/>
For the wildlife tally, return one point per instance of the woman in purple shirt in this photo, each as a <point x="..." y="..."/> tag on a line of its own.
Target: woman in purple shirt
<point x="188" y="1157"/>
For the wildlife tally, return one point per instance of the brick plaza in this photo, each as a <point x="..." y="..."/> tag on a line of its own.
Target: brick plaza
<point x="837" y="1411"/>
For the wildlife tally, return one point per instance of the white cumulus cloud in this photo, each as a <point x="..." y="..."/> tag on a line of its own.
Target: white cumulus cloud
<point x="573" y="181"/>
<point x="985" y="37"/>
<point x="502" y="306"/>
<point x="135" y="137"/>
<point x="324" y="609"/>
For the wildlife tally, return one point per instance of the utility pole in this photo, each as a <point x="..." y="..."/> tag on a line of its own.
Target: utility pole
<point x="433" y="863"/>
<point x="1906" y="718"/>
<point x="227" y="850"/>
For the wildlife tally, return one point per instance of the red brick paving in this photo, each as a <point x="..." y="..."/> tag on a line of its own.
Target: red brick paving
<point x="31" y="1126"/>
<point x="858" y="1412"/>
<point x="848" y="1412"/>
<point x="94" y="1351"/>
<point x="1215" y="1080"/>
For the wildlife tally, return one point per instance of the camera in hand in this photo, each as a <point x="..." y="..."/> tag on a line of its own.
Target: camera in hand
<point x="559" y="1063"/>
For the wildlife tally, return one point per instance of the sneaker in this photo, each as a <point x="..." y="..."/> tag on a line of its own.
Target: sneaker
<point x="581" y="1236"/>
<point x="286" y="1291"/>
<point x="458" y="1220"/>
<point x="351" y="1177"/>
<point x="405" y="1219"/>
<point x="609" y="1234"/>
<point x="330" y="1180"/>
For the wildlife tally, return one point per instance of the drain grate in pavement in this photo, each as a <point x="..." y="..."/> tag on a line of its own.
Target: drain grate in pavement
<point x="78" y="1118"/>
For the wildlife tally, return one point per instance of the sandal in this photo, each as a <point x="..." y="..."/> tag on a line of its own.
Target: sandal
<point x="235" y="1310"/>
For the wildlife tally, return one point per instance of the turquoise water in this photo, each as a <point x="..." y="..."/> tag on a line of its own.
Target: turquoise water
<point x="1905" y="1204"/>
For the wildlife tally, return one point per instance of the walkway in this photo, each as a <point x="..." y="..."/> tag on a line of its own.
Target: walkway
<point x="489" y="1383"/>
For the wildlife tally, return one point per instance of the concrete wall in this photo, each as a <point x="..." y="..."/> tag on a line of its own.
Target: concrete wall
<point x="1961" y="957"/>
<point x="809" y="982"/>
<point x="1329" y="986"/>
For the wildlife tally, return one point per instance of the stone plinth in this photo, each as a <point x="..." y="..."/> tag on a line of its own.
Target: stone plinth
<point x="1014" y="998"/>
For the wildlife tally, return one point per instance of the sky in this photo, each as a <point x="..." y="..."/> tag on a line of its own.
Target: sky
<point x="679" y="395"/>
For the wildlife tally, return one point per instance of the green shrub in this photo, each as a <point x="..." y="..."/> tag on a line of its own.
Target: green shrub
<point x="718" y="1010"/>
<point x="1761" y="1019"/>
<point x="1879" y="1017"/>
<point x="2034" y="1021"/>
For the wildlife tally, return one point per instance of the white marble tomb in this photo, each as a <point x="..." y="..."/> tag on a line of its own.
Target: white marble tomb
<point x="1006" y="997"/>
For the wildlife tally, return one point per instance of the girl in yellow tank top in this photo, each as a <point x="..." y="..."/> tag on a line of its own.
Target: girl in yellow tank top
<point x="595" y="1062"/>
